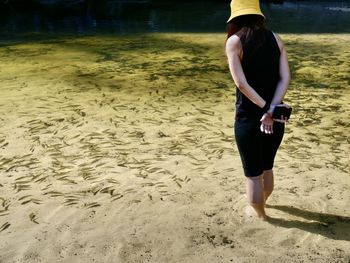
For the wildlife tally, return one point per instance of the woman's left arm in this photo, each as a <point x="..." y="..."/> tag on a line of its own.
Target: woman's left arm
<point x="283" y="83"/>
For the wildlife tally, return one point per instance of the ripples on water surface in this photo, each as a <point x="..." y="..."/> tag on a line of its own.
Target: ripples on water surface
<point x="165" y="16"/>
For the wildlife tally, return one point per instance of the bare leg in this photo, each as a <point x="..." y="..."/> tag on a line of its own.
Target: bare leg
<point x="254" y="188"/>
<point x="268" y="183"/>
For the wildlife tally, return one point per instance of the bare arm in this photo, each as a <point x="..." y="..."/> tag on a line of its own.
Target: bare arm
<point x="234" y="54"/>
<point x="283" y="83"/>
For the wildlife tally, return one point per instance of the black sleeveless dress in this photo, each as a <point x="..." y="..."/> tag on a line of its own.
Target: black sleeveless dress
<point x="260" y="65"/>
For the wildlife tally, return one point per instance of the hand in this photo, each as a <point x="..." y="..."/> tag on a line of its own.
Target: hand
<point x="266" y="124"/>
<point x="283" y="120"/>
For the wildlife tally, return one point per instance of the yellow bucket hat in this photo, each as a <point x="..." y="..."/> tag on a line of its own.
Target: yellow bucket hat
<point x="244" y="7"/>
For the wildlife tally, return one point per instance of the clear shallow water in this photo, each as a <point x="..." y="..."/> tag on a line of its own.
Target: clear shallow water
<point x="99" y="118"/>
<point x="290" y="17"/>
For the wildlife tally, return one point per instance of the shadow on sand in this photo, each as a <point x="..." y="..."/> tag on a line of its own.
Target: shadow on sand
<point x="328" y="225"/>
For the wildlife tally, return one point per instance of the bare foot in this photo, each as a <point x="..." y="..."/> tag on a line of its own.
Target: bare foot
<point x="251" y="214"/>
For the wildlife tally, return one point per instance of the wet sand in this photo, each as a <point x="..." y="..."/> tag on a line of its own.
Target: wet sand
<point x="121" y="149"/>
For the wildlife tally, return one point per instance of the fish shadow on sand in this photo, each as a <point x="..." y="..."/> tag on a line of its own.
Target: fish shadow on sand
<point x="328" y="225"/>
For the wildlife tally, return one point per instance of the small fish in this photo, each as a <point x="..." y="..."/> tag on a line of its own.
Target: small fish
<point x="91" y="205"/>
<point x="53" y="193"/>
<point x="178" y="184"/>
<point x="5" y="226"/>
<point x="4" y="145"/>
<point x="70" y="203"/>
<point x="23" y="197"/>
<point x="7" y="161"/>
<point x="118" y="197"/>
<point x="106" y="189"/>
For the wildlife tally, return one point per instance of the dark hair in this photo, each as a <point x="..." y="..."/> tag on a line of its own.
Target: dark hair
<point x="244" y="26"/>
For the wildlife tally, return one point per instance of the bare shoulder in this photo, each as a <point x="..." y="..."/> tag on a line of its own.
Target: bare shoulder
<point x="233" y="44"/>
<point x="279" y="41"/>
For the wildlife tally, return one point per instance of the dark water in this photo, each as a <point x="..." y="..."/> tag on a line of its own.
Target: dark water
<point x="111" y="17"/>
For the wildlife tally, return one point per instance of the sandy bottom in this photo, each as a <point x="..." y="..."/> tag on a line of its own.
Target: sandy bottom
<point x="121" y="149"/>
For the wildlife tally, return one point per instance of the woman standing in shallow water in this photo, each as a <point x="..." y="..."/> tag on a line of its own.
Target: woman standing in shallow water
<point x="259" y="67"/>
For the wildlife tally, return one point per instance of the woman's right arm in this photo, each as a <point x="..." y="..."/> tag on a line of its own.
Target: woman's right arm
<point x="284" y="81"/>
<point x="234" y="54"/>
